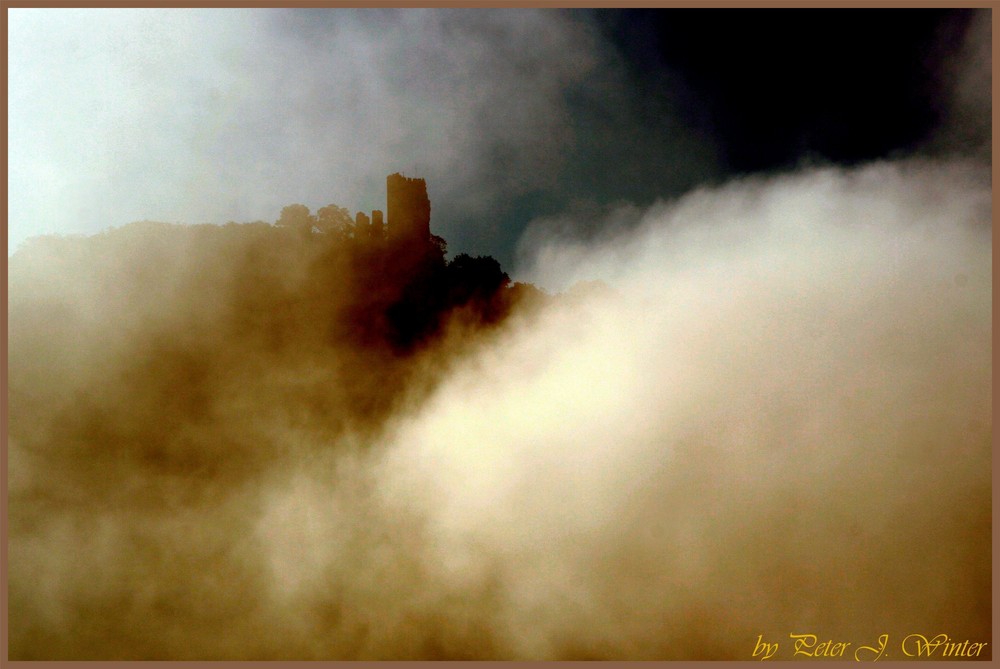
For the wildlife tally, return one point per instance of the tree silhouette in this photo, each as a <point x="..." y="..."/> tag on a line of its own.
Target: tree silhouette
<point x="296" y="217"/>
<point x="474" y="278"/>
<point x="332" y="219"/>
<point x="403" y="289"/>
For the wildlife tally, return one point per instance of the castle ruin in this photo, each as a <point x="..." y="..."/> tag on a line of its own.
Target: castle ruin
<point x="409" y="209"/>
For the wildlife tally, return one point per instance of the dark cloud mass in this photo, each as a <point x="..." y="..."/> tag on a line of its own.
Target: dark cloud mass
<point x="755" y="400"/>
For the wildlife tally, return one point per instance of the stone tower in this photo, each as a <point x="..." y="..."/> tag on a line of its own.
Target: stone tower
<point x="409" y="209"/>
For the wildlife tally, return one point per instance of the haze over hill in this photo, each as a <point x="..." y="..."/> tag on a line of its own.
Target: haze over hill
<point x="256" y="441"/>
<point x="757" y="409"/>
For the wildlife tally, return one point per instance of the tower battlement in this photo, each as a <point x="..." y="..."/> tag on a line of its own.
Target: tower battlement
<point x="409" y="209"/>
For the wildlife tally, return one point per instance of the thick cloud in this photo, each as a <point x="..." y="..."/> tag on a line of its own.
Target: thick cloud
<point x="774" y="418"/>
<point x="759" y="409"/>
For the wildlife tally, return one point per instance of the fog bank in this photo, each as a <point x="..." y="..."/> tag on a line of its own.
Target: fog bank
<point x="773" y="416"/>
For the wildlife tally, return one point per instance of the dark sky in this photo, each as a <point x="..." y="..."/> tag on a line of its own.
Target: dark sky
<point x="763" y="91"/>
<point x="775" y="85"/>
<point x="512" y="115"/>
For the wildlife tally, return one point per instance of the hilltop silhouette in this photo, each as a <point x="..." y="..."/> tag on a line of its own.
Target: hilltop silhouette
<point x="173" y="309"/>
<point x="162" y="365"/>
<point x="407" y="291"/>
